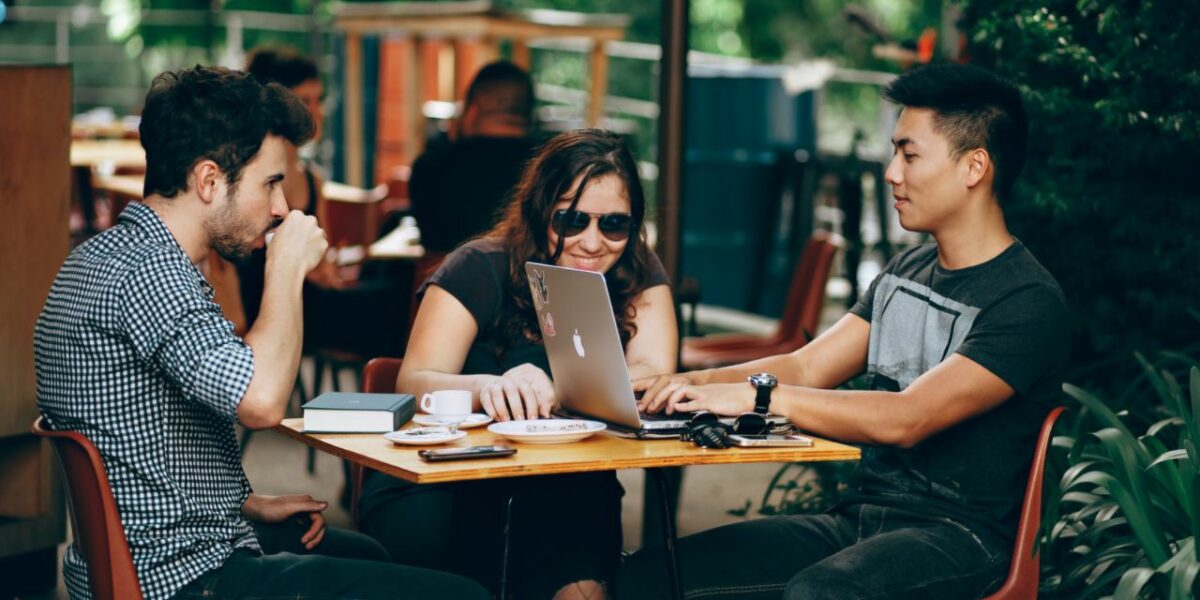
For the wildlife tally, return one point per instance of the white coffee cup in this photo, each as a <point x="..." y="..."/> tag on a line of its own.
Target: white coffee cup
<point x="447" y="403"/>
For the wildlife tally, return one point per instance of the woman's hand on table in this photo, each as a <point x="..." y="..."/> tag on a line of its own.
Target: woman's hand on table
<point x="523" y="392"/>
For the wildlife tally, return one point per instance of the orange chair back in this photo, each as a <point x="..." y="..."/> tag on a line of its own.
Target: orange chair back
<point x="806" y="295"/>
<point x="1022" y="582"/>
<point x="95" y="522"/>
<point x="378" y="377"/>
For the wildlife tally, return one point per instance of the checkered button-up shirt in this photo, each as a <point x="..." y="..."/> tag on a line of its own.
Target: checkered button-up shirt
<point x="132" y="352"/>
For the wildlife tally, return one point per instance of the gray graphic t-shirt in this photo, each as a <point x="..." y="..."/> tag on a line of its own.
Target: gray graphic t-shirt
<point x="1009" y="316"/>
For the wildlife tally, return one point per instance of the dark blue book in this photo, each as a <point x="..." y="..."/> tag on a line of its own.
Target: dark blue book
<point x="345" y="412"/>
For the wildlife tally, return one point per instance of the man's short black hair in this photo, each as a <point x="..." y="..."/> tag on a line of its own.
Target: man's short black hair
<point x="973" y="108"/>
<point x="217" y="114"/>
<point x="282" y="65"/>
<point x="502" y="88"/>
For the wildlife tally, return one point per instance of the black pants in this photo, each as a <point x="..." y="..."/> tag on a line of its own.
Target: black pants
<point x="344" y="566"/>
<point x="565" y="528"/>
<point x="854" y="552"/>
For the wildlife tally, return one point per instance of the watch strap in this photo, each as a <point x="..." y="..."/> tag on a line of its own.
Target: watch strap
<point x="762" y="398"/>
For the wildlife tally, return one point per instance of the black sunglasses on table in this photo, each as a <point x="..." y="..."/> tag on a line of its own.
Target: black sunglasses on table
<point x="707" y="430"/>
<point x="614" y="226"/>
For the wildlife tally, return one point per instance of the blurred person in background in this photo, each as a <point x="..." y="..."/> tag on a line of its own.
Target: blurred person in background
<point x="458" y="189"/>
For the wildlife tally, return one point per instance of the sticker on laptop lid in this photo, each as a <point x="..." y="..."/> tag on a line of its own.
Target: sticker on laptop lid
<point x="539" y="290"/>
<point x="548" y="325"/>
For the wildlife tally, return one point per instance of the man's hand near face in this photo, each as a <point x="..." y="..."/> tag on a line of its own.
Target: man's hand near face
<point x="299" y="245"/>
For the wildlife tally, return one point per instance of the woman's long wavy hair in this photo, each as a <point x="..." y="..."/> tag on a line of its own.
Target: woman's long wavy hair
<point x="524" y="227"/>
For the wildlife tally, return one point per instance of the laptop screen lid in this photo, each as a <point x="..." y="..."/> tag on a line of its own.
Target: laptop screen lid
<point x="580" y="335"/>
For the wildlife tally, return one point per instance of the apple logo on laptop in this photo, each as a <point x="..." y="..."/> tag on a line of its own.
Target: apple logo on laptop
<point x="578" y="344"/>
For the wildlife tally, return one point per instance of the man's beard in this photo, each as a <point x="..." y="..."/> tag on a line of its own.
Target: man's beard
<point x="231" y="239"/>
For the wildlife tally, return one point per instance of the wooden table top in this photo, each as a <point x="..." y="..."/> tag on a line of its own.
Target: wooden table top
<point x="341" y="192"/>
<point x="120" y="153"/>
<point x="126" y="185"/>
<point x="131" y="185"/>
<point x="397" y="245"/>
<point x="601" y="452"/>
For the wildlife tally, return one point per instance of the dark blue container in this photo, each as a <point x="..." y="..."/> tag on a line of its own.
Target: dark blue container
<point x="744" y="132"/>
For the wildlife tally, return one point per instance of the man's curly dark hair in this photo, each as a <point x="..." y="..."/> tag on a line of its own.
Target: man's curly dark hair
<point x="216" y="114"/>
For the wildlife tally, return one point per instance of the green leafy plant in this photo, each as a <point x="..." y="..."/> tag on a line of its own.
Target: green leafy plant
<point x="1125" y="520"/>
<point x="1104" y="200"/>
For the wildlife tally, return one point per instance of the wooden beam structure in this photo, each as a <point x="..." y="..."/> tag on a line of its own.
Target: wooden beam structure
<point x="475" y="30"/>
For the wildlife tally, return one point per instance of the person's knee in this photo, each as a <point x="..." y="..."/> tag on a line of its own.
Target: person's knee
<point x="352" y="544"/>
<point x="823" y="583"/>
<point x="642" y="575"/>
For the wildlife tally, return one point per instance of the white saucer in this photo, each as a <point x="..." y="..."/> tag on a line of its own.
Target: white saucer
<point x="474" y="420"/>
<point x="424" y="436"/>
<point x="546" y="431"/>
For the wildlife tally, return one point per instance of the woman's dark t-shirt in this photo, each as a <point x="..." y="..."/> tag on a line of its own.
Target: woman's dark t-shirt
<point x="476" y="274"/>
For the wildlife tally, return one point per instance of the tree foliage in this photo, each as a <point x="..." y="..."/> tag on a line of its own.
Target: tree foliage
<point x="1107" y="201"/>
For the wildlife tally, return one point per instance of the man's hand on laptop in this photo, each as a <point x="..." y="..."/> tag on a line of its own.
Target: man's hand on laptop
<point x="523" y="392"/>
<point x="725" y="399"/>
<point x="684" y="392"/>
<point x="662" y="392"/>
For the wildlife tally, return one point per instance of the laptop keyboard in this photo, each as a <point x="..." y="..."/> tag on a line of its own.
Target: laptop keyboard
<point x="664" y="416"/>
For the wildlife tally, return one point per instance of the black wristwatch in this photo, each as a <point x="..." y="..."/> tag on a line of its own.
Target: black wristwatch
<point x="763" y="384"/>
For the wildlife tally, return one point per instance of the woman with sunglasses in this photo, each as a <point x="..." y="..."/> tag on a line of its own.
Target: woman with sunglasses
<point x="579" y="204"/>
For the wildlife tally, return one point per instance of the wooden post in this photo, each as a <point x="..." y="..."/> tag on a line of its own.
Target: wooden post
<point x="672" y="86"/>
<point x="35" y="195"/>
<point x="466" y="63"/>
<point x="414" y="117"/>
<point x="521" y="55"/>
<point x="489" y="51"/>
<point x="354" y="110"/>
<point x="599" y="89"/>
<point x="429" y="50"/>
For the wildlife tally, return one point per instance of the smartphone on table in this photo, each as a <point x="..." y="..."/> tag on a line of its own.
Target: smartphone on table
<point x="444" y="454"/>
<point x="794" y="440"/>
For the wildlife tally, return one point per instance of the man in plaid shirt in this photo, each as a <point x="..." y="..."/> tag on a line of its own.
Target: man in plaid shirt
<point x="133" y="353"/>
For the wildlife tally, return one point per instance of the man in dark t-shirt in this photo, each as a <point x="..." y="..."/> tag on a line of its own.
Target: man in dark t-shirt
<point x="458" y="188"/>
<point x="963" y="343"/>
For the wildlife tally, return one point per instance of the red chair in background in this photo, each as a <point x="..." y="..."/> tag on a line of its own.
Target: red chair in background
<point x="802" y="314"/>
<point x="1023" y="572"/>
<point x="95" y="522"/>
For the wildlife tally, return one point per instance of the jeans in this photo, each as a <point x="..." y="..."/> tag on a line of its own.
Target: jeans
<point x="853" y="552"/>
<point x="344" y="566"/>
<point x="565" y="528"/>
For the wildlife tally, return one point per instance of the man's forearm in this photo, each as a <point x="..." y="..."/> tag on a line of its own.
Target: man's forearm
<point x="275" y="338"/>
<point x="784" y="366"/>
<point x="854" y="416"/>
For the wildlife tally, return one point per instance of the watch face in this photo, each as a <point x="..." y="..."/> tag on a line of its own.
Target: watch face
<point x="765" y="379"/>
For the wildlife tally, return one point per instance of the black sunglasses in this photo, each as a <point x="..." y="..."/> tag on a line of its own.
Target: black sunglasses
<point x="614" y="226"/>
<point x="707" y="431"/>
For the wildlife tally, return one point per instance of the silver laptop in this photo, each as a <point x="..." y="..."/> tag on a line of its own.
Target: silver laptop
<point x="587" y="360"/>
